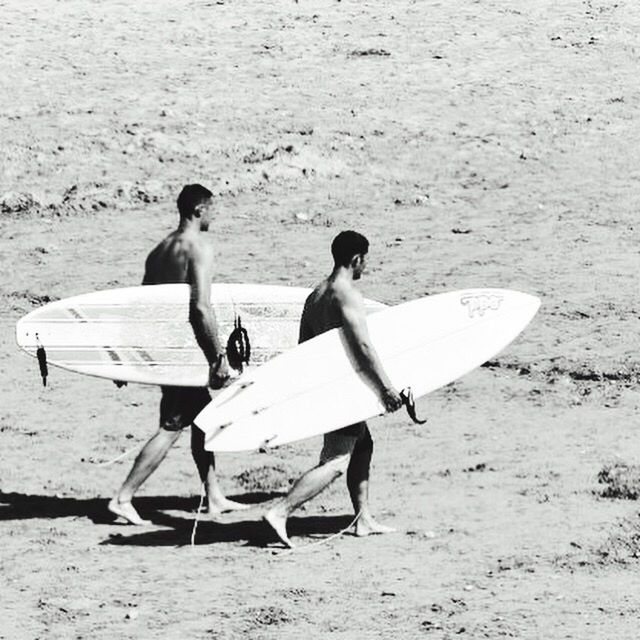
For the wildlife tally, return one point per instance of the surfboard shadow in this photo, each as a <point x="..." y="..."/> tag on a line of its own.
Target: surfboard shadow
<point x="22" y="506"/>
<point x="253" y="533"/>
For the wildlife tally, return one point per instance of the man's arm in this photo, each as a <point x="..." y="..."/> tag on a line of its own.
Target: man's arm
<point x="354" y="324"/>
<point x="201" y="314"/>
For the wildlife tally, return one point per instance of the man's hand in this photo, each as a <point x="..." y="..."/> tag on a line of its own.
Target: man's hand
<point x="219" y="373"/>
<point x="391" y="399"/>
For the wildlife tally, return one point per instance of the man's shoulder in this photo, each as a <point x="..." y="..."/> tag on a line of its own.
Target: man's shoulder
<point x="197" y="248"/>
<point x="344" y="293"/>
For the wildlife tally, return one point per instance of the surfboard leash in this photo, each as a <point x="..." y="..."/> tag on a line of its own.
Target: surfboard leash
<point x="410" y="404"/>
<point x="128" y="452"/>
<point x="238" y="346"/>
<point x="203" y="494"/>
<point x="312" y="545"/>
<point x="42" y="361"/>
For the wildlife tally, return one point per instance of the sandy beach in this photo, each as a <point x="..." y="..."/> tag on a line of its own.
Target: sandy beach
<point x="477" y="144"/>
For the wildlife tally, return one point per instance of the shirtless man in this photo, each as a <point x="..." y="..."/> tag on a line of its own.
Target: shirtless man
<point x="184" y="257"/>
<point x="333" y="303"/>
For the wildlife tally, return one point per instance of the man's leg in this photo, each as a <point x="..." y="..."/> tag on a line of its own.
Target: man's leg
<point x="206" y="464"/>
<point x="358" y="485"/>
<point x="334" y="462"/>
<point x="148" y="460"/>
<point x="152" y="454"/>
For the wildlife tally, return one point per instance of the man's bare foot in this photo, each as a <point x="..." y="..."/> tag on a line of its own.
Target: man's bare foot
<point x="278" y="523"/>
<point x="223" y="505"/>
<point x="369" y="527"/>
<point x="127" y="511"/>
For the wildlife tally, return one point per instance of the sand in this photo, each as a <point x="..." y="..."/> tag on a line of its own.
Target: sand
<point x="476" y="143"/>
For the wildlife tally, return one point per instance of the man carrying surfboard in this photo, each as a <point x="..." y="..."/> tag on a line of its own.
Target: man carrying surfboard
<point x="333" y="303"/>
<point x="183" y="257"/>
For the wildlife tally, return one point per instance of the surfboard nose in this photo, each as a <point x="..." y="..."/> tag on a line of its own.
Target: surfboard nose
<point x="479" y="303"/>
<point x="530" y="302"/>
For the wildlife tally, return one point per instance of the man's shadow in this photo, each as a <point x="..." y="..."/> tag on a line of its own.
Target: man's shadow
<point x="249" y="529"/>
<point x="238" y="526"/>
<point x="22" y="506"/>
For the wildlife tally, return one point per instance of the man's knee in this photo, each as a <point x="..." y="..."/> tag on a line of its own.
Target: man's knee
<point x="172" y="421"/>
<point x="169" y="432"/>
<point x="338" y="464"/>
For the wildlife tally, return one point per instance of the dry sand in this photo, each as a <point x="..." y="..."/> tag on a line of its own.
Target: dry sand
<point x="477" y="143"/>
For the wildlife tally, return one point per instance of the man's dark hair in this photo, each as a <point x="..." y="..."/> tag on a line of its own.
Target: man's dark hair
<point x="346" y="245"/>
<point x="190" y="197"/>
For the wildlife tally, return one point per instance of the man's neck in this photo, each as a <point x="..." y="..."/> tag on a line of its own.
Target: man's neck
<point x="189" y="226"/>
<point x="341" y="273"/>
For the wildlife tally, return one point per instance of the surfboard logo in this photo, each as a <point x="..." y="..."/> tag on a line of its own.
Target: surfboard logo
<point x="479" y="303"/>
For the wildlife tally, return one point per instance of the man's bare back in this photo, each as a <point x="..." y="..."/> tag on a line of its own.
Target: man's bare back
<point x="169" y="262"/>
<point x="323" y="307"/>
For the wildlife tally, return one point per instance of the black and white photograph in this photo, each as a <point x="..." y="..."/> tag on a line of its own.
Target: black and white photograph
<point x="319" y="320"/>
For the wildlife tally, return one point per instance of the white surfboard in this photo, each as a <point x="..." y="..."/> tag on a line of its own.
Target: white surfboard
<point x="316" y="387"/>
<point x="142" y="334"/>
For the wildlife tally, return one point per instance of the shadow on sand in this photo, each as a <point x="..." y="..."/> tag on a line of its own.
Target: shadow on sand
<point x="240" y="526"/>
<point x="253" y="532"/>
<point x="22" y="506"/>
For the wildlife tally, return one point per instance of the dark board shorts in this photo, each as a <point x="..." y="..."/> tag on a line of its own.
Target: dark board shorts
<point x="179" y="406"/>
<point x="344" y="441"/>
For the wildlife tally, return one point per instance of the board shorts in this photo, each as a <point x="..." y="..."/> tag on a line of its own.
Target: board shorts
<point x="179" y="406"/>
<point x="344" y="441"/>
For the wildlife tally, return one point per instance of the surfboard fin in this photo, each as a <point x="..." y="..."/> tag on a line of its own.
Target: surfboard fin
<point x="42" y="361"/>
<point x="266" y="445"/>
<point x="410" y="405"/>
